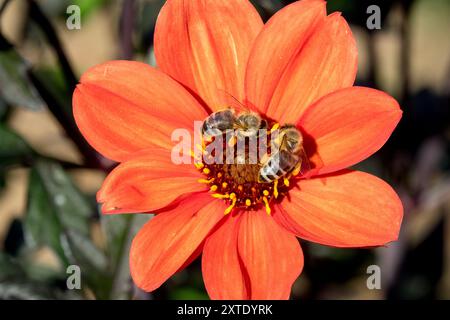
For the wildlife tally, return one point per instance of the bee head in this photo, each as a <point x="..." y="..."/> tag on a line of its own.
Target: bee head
<point x="292" y="137"/>
<point x="248" y="123"/>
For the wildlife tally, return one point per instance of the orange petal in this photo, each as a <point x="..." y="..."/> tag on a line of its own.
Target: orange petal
<point x="347" y="209"/>
<point x="325" y="63"/>
<point x="122" y="107"/>
<point x="205" y="45"/>
<point x="347" y="126"/>
<point x="271" y="256"/>
<point x="147" y="182"/>
<point x="168" y="240"/>
<point x="222" y="271"/>
<point x="278" y="44"/>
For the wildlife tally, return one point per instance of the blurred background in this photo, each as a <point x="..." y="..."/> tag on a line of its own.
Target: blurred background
<point x="49" y="175"/>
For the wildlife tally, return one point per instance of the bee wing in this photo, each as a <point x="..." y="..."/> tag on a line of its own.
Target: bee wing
<point x="305" y="165"/>
<point x="229" y="101"/>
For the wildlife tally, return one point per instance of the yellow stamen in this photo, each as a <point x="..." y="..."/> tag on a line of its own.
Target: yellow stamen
<point x="220" y="196"/>
<point x="233" y="203"/>
<point x="199" y="165"/>
<point x="219" y="175"/>
<point x="206" y="171"/>
<point x="286" y="182"/>
<point x="240" y="188"/>
<point x="266" y="193"/>
<point x="224" y="185"/>
<point x="275" y="189"/>
<point x="275" y="127"/>
<point x="213" y="188"/>
<point x="248" y="202"/>
<point x="266" y="202"/>
<point x="206" y="181"/>
<point x="194" y="155"/>
<point x="200" y="148"/>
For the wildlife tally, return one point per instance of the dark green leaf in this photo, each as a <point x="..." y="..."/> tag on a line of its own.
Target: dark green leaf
<point x="120" y="231"/>
<point x="58" y="216"/>
<point x="85" y="252"/>
<point x="4" y="108"/>
<point x="15" y="86"/>
<point x="116" y="229"/>
<point x="9" y="268"/>
<point x="16" y="283"/>
<point x="12" y="146"/>
<point x="41" y="222"/>
<point x="72" y="208"/>
<point x="54" y="207"/>
<point x="188" y="294"/>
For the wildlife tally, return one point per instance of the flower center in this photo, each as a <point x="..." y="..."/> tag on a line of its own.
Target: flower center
<point x="249" y="170"/>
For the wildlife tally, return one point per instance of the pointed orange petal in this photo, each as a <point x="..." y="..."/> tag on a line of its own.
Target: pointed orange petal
<point x="205" y="45"/>
<point x="122" y="107"/>
<point x="325" y="63"/>
<point x="348" y="126"/>
<point x="278" y="44"/>
<point x="222" y="271"/>
<point x="271" y="256"/>
<point x="168" y="240"/>
<point x="347" y="209"/>
<point x="147" y="182"/>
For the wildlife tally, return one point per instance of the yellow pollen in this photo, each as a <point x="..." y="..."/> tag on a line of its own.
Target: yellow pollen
<point x="224" y="185"/>
<point x="232" y="142"/>
<point x="206" y="171"/>
<point x="248" y="202"/>
<point x="233" y="203"/>
<point x="219" y="175"/>
<point x="275" y="127"/>
<point x="275" y="189"/>
<point x="240" y="187"/>
<point x="286" y="182"/>
<point x="266" y="202"/>
<point x="213" y="188"/>
<point x="266" y="193"/>
<point x="206" y="181"/>
<point x="296" y="170"/>
<point x="220" y="196"/>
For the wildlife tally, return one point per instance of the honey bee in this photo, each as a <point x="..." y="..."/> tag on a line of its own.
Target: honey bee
<point x="248" y="123"/>
<point x="289" y="157"/>
<point x="218" y="123"/>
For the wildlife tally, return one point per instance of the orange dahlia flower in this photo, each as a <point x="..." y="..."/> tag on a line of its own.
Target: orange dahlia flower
<point x="298" y="68"/>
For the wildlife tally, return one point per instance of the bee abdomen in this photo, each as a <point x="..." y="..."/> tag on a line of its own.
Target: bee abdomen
<point x="277" y="166"/>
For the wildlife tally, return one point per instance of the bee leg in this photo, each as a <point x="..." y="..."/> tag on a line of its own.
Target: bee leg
<point x="297" y="169"/>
